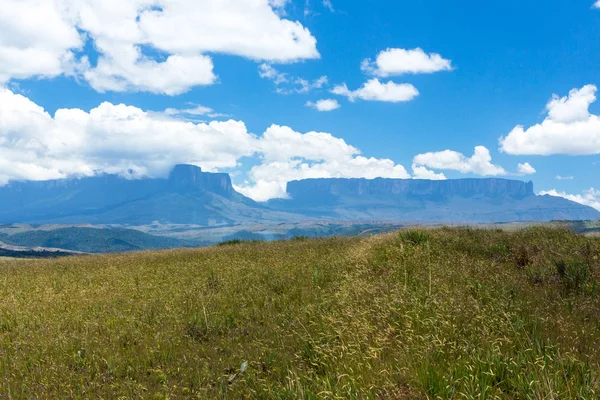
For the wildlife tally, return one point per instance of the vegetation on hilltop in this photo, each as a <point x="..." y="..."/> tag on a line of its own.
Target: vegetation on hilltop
<point x="92" y="240"/>
<point x="448" y="313"/>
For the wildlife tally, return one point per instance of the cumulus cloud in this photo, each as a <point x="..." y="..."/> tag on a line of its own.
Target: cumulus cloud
<point x="37" y="40"/>
<point x="324" y="105"/>
<point x="401" y="61"/>
<point x="159" y="46"/>
<point x="420" y="172"/>
<point x="526" y="169"/>
<point x="286" y="84"/>
<point x="569" y="128"/>
<point x="589" y="197"/>
<point x="374" y="90"/>
<point x="120" y="139"/>
<point x="288" y="155"/>
<point x="479" y="164"/>
<point x="125" y="140"/>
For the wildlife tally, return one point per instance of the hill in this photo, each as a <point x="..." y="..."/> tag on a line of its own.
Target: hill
<point x="92" y="240"/>
<point x="189" y="196"/>
<point x="414" y="314"/>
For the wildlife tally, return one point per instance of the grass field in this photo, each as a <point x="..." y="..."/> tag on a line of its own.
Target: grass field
<point x="448" y="313"/>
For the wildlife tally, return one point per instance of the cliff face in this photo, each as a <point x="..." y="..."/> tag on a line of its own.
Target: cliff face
<point x="410" y="187"/>
<point x="184" y="197"/>
<point x="190" y="177"/>
<point x="190" y="196"/>
<point x="456" y="201"/>
<point x="182" y="178"/>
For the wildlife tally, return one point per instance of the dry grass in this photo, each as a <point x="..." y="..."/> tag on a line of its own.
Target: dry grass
<point x="449" y="313"/>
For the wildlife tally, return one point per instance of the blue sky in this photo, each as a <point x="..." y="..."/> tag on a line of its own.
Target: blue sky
<point x="144" y="74"/>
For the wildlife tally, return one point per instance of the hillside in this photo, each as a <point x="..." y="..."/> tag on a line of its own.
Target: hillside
<point x="92" y="240"/>
<point x="190" y="196"/>
<point x="419" y="314"/>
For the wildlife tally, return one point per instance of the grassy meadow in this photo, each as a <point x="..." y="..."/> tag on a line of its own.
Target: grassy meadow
<point x="437" y="314"/>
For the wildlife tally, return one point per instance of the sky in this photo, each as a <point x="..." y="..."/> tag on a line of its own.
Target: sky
<point x="272" y="91"/>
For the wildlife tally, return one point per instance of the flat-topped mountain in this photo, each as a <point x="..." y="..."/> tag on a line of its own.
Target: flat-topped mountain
<point x="413" y="200"/>
<point x="187" y="196"/>
<point x="191" y="196"/>
<point x="189" y="178"/>
<point x="409" y="187"/>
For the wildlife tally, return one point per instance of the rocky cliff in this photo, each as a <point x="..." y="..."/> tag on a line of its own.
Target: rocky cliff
<point x="409" y="200"/>
<point x="187" y="195"/>
<point x="190" y="196"/>
<point x="190" y="177"/>
<point x="410" y="187"/>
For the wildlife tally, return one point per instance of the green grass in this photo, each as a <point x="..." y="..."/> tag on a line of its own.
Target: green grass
<point x="448" y="313"/>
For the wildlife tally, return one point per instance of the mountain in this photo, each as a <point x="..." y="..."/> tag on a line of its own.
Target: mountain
<point x="187" y="196"/>
<point x="90" y="240"/>
<point x="413" y="200"/>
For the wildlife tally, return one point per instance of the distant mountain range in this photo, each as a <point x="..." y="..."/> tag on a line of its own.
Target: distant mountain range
<point x="191" y="196"/>
<point x="425" y="201"/>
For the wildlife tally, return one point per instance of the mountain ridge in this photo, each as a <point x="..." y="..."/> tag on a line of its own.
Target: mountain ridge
<point x="191" y="196"/>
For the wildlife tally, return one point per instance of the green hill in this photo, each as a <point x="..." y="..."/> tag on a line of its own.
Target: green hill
<point x="448" y="313"/>
<point x="92" y="240"/>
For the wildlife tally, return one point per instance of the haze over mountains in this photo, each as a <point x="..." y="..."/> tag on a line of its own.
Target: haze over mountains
<point x="191" y="196"/>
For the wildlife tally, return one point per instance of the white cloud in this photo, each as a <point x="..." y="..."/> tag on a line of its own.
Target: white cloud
<point x="125" y="140"/>
<point x="569" y="128"/>
<point x="289" y="155"/>
<point x="279" y="5"/>
<point x="196" y="110"/>
<point x="327" y="4"/>
<point x="420" y="172"/>
<point x="589" y="197"/>
<point x="267" y="71"/>
<point x="37" y="40"/>
<point x="159" y="46"/>
<point x="131" y="71"/>
<point x="596" y="4"/>
<point x="564" y="178"/>
<point x="479" y="164"/>
<point x="324" y="105"/>
<point x="573" y="108"/>
<point x="282" y="143"/>
<point x="263" y="190"/>
<point x="285" y="84"/>
<point x="374" y="90"/>
<point x="526" y="169"/>
<point x="401" y="61"/>
<point x="35" y="145"/>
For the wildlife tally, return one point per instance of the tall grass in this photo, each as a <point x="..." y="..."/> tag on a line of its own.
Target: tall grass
<point x="449" y="313"/>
